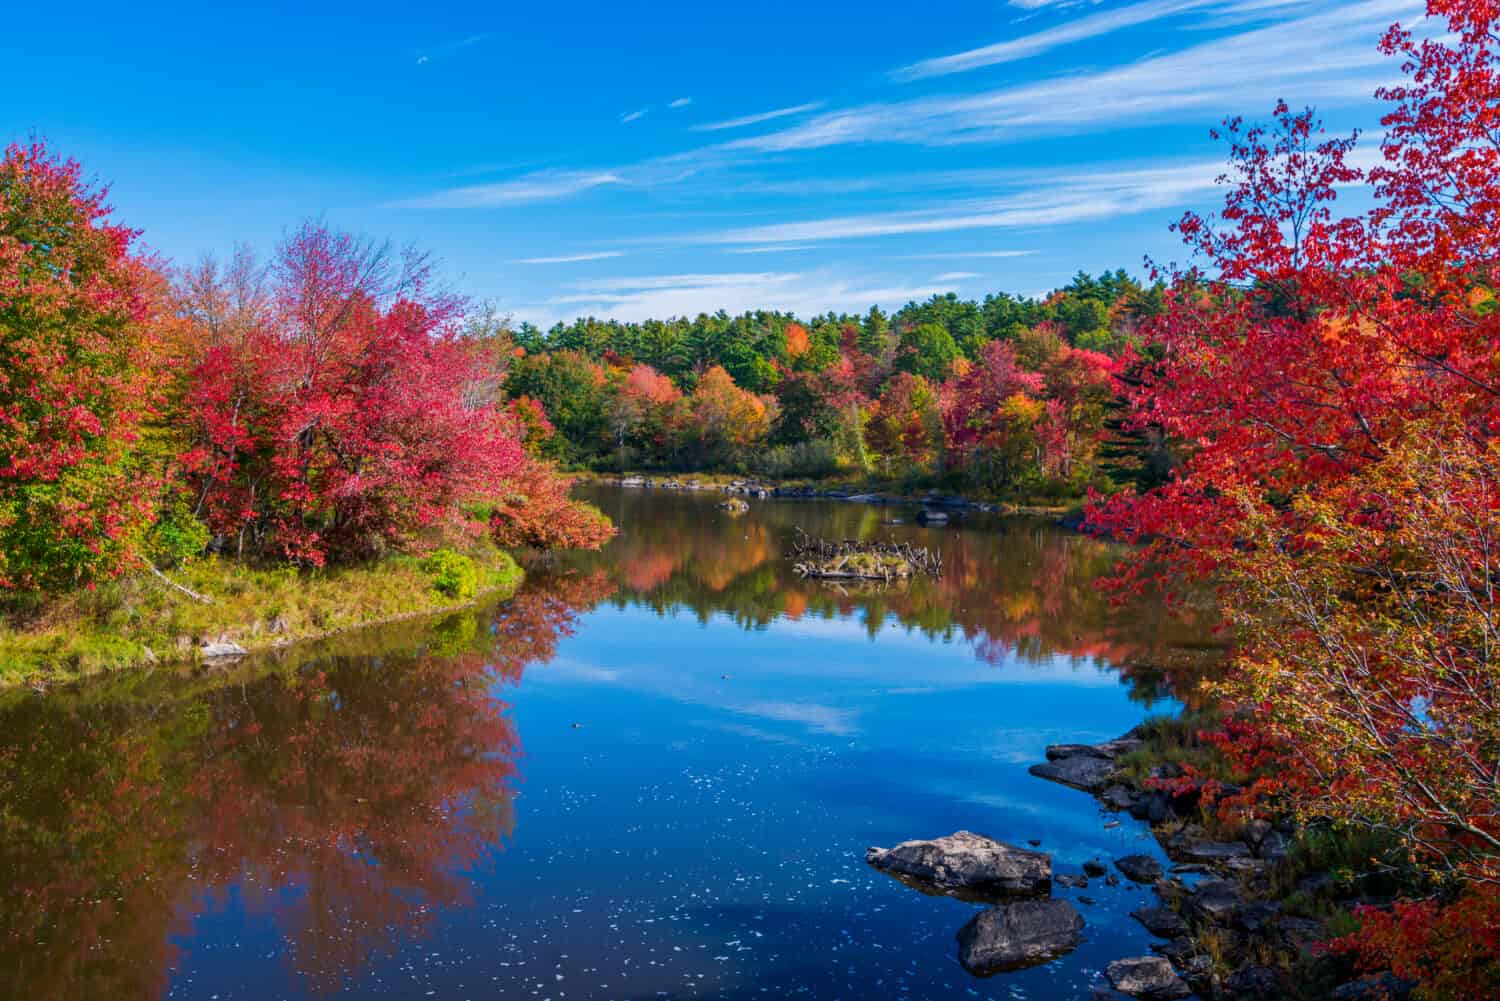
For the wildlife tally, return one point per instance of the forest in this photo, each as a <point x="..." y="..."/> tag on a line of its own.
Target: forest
<point x="1306" y="420"/>
<point x="1009" y="397"/>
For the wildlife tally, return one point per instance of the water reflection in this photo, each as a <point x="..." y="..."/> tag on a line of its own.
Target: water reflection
<point x="345" y="817"/>
<point x="1016" y="590"/>
<point x="344" y="792"/>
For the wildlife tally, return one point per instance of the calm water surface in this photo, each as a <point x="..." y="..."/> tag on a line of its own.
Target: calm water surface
<point x="652" y="774"/>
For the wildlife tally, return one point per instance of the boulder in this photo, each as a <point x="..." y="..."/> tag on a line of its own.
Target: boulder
<point x="1070" y="881"/>
<point x="1215" y="901"/>
<point x="1140" y="868"/>
<point x="1189" y="849"/>
<point x="1081" y="771"/>
<point x="1254" y="983"/>
<point x="221" y="649"/>
<point x="969" y="864"/>
<point x="1109" y="750"/>
<point x="1149" y="977"/>
<point x="1118" y="797"/>
<point x="1017" y="935"/>
<point x="1161" y="921"/>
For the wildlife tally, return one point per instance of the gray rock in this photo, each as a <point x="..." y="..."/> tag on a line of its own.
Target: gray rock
<point x="1215" y="901"/>
<point x="1272" y="847"/>
<point x="1017" y="935"/>
<point x="1255" y="915"/>
<point x="1179" y="951"/>
<point x="1190" y="850"/>
<point x="221" y="648"/>
<point x="1070" y="881"/>
<point x="1150" y="977"/>
<point x="1254" y="983"/>
<point x="1161" y="921"/>
<point x="1109" y="750"/>
<point x="1081" y="771"/>
<point x="1140" y="868"/>
<point x="969" y="864"/>
<point x="1299" y="932"/>
<point x="1118" y="796"/>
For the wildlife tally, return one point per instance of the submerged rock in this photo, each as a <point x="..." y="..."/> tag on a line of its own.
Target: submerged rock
<point x="1071" y="882"/>
<point x="1018" y="935"/>
<point x="965" y="863"/>
<point x="1149" y="977"/>
<point x="1161" y="921"/>
<point x="1140" y="868"/>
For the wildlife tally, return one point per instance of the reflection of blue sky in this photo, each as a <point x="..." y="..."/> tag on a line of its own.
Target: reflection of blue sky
<point x="701" y="832"/>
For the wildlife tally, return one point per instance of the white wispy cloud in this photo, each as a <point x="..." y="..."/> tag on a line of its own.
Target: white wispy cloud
<point x="646" y="296"/>
<point x="963" y="255"/>
<point x="1325" y="58"/>
<point x="631" y="116"/>
<point x="782" y="248"/>
<point x="681" y="102"/>
<point x="450" y="48"/>
<point x="764" y="116"/>
<point x="1104" y="23"/>
<point x="1082" y="197"/>
<point x="600" y="255"/>
<point x="536" y="187"/>
<point x="957" y="276"/>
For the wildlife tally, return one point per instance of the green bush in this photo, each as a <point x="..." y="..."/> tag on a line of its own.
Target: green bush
<point x="177" y="536"/>
<point x="453" y="574"/>
<point x="808" y="458"/>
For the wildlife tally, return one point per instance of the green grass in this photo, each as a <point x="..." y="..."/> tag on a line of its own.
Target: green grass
<point x="140" y="620"/>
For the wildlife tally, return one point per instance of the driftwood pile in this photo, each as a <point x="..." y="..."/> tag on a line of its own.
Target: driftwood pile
<point x="851" y="559"/>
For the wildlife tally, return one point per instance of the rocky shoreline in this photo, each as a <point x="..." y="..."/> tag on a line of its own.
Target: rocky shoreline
<point x="1235" y="919"/>
<point x="1236" y="915"/>
<point x="936" y="507"/>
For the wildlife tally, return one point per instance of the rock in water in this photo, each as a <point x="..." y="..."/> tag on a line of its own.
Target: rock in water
<point x="1140" y="868"/>
<point x="969" y="864"/>
<point x="1161" y="921"/>
<point x="1014" y="936"/>
<point x="1081" y="771"/>
<point x="221" y="648"/>
<point x="1149" y="977"/>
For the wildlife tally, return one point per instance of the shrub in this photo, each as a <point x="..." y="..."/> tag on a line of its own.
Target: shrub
<point x="453" y="574"/>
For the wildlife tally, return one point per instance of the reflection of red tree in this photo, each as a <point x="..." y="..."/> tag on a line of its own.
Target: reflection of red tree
<point x="346" y="798"/>
<point x="1025" y="593"/>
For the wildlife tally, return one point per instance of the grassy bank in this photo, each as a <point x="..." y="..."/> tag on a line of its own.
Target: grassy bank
<point x="143" y="620"/>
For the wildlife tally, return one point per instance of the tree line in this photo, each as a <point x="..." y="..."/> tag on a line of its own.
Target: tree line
<point x="1011" y="395"/>
<point x="329" y="404"/>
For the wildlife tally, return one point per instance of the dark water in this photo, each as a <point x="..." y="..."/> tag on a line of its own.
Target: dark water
<point x="414" y="813"/>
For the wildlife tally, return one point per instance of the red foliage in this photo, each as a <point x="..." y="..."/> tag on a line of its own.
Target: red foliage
<point x="339" y="423"/>
<point x="1333" y="392"/>
<point x="1452" y="949"/>
<point x="536" y="512"/>
<point x="78" y="316"/>
<point x="979" y="408"/>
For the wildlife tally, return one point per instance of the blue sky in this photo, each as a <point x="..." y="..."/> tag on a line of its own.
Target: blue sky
<point x="650" y="160"/>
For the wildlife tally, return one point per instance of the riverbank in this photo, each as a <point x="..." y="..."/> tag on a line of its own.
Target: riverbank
<point x="1247" y="907"/>
<point x="217" y="609"/>
<point x="864" y="491"/>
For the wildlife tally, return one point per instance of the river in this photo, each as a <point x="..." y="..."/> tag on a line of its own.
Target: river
<point x="653" y="773"/>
